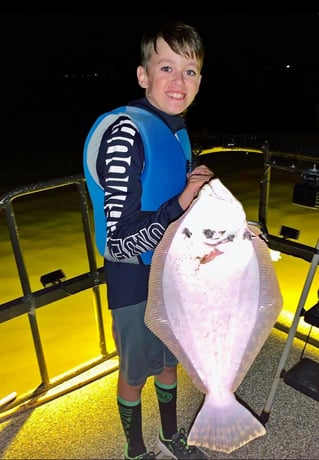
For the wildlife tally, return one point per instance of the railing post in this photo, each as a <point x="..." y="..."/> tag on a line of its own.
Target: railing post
<point x="26" y="288"/>
<point x="264" y="189"/>
<point x="92" y="263"/>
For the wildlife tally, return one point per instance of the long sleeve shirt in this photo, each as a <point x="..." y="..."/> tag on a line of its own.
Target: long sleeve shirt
<point x="130" y="230"/>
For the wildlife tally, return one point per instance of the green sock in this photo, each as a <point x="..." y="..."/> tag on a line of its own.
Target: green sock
<point x="131" y="418"/>
<point x="167" y="395"/>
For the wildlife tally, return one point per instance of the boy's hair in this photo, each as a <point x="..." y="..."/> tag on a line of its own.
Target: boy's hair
<point x="182" y="38"/>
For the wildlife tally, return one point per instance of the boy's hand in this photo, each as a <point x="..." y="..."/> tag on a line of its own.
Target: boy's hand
<point x="195" y="180"/>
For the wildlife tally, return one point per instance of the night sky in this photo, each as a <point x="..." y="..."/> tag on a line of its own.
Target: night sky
<point x="260" y="75"/>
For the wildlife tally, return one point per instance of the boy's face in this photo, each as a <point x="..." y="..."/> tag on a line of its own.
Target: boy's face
<point x="171" y="81"/>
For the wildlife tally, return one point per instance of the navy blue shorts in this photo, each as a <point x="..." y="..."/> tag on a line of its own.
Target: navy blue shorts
<point x="141" y="352"/>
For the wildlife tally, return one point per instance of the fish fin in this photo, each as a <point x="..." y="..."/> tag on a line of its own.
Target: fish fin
<point x="224" y="428"/>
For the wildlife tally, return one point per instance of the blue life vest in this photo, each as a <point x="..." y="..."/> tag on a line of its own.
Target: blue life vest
<point x="164" y="174"/>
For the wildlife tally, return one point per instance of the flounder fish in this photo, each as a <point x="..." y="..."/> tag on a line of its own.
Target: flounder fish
<point x="213" y="299"/>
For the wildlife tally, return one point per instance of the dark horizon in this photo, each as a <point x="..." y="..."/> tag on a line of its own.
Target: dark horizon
<point x="62" y="70"/>
<point x="86" y="62"/>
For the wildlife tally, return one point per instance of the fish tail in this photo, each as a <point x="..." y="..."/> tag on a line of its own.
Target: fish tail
<point x="224" y="428"/>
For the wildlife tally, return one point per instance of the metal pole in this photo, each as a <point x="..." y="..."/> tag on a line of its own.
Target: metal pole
<point x="92" y="263"/>
<point x="24" y="279"/>
<point x="292" y="331"/>
<point x="264" y="189"/>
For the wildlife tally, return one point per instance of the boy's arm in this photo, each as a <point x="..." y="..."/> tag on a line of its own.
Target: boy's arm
<point x="130" y="231"/>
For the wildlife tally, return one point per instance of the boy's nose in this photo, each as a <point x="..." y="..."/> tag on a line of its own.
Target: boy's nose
<point x="179" y="75"/>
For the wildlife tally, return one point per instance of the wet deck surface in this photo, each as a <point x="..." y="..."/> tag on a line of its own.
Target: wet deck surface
<point x="84" y="424"/>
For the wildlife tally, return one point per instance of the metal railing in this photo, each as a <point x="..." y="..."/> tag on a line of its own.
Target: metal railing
<point x="31" y="301"/>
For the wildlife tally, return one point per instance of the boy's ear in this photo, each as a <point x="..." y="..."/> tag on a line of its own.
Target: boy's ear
<point x="141" y="77"/>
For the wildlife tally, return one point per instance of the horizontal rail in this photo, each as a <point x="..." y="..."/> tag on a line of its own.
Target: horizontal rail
<point x="50" y="294"/>
<point x="291" y="248"/>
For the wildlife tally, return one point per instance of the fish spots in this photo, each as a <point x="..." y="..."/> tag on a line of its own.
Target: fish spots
<point x="187" y="232"/>
<point x="248" y="235"/>
<point x="218" y="237"/>
<point x="212" y="234"/>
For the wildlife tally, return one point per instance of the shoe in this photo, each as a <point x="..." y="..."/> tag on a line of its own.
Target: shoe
<point x="145" y="456"/>
<point x="178" y="448"/>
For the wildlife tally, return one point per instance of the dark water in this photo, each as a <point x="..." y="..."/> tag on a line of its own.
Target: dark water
<point x="51" y="145"/>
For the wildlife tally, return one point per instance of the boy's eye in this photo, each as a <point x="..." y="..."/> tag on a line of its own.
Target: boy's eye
<point x="191" y="73"/>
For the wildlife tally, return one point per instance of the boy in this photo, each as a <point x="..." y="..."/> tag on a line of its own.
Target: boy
<point x="135" y="162"/>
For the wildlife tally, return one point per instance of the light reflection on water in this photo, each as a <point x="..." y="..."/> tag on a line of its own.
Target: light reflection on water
<point x="50" y="231"/>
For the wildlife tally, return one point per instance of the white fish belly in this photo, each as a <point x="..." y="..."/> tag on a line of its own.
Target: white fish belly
<point x="213" y="298"/>
<point x="218" y="311"/>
